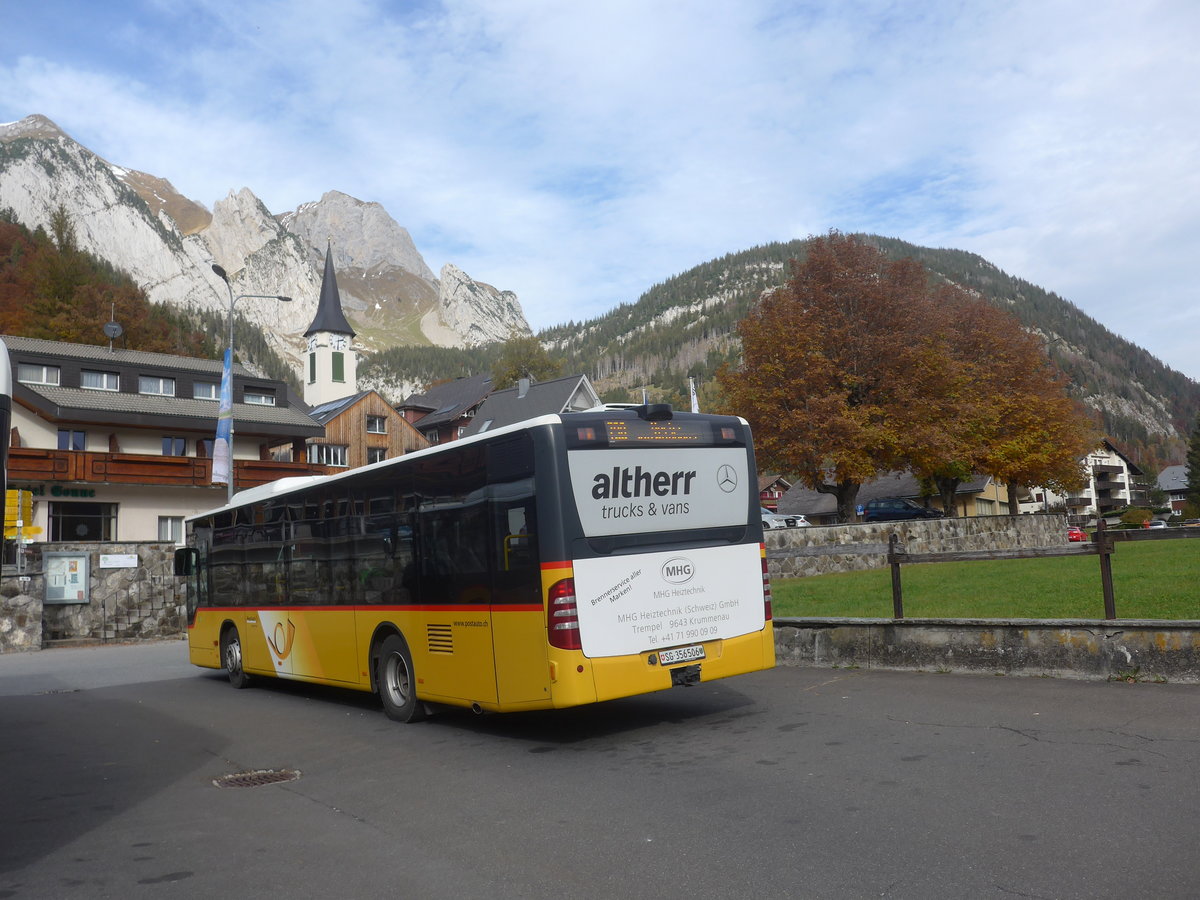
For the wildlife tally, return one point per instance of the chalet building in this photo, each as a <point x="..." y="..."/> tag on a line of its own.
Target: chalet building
<point x="529" y="400"/>
<point x="445" y="411"/>
<point x="1173" y="481"/>
<point x="1111" y="486"/>
<point x="116" y="445"/>
<point x="771" y="489"/>
<point x="359" y="430"/>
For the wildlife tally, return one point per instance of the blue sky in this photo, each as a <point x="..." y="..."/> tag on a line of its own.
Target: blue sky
<point x="578" y="153"/>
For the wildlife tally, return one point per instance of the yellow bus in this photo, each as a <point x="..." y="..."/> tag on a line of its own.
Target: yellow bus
<point x="566" y="560"/>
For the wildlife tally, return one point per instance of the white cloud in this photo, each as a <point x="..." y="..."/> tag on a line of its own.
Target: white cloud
<point x="578" y="153"/>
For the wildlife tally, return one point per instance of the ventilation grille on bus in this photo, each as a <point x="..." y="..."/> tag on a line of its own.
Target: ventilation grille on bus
<point x="440" y="639"/>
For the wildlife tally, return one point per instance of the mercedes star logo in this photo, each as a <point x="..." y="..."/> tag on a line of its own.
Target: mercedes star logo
<point x="727" y="478"/>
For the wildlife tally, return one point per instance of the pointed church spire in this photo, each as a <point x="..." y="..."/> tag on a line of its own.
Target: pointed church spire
<point x="329" y="317"/>
<point x="332" y="362"/>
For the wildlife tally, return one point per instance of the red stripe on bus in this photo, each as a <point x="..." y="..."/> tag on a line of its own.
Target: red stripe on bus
<point x="474" y="607"/>
<point x="557" y="565"/>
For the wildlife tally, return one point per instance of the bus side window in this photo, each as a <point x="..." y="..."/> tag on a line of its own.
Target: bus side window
<point x="343" y="527"/>
<point x="519" y="536"/>
<point x="225" y="562"/>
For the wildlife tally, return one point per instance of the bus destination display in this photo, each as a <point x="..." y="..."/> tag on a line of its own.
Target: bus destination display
<point x="639" y="431"/>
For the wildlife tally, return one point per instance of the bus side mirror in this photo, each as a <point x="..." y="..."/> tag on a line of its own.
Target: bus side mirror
<point x="185" y="560"/>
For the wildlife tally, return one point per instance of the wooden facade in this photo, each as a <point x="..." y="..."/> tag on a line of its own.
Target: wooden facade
<point x="348" y="428"/>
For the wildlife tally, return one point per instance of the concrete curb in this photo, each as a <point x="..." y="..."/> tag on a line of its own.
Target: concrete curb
<point x="1120" y="649"/>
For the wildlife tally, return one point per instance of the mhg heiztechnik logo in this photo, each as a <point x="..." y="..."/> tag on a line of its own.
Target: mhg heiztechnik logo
<point x="678" y="570"/>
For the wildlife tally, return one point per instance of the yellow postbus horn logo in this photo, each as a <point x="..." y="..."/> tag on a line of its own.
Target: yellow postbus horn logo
<point x="276" y="639"/>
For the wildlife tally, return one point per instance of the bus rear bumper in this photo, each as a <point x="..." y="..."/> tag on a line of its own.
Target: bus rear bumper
<point x="627" y="676"/>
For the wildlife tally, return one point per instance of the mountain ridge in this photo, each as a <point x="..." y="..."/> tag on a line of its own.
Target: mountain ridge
<point x="168" y="244"/>
<point x="411" y="322"/>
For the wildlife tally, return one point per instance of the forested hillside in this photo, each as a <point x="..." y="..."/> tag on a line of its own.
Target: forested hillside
<point x="686" y="326"/>
<point x="1147" y="408"/>
<point x="50" y="289"/>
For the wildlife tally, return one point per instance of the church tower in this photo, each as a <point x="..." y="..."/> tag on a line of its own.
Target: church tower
<point x="332" y="370"/>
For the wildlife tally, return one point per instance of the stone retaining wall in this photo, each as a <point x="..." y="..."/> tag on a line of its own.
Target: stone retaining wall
<point x="20" y="617"/>
<point x="1118" y="649"/>
<point x="145" y="601"/>
<point x="823" y="549"/>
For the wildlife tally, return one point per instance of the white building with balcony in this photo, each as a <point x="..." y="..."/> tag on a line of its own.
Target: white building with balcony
<point x="1111" y="487"/>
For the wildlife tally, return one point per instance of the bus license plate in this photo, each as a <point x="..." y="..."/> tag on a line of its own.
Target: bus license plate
<point x="680" y="654"/>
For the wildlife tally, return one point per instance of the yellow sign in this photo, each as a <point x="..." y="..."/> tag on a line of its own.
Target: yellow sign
<point x="18" y="507"/>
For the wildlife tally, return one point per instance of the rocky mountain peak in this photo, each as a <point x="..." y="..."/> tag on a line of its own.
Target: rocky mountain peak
<point x="168" y="244"/>
<point x="361" y="234"/>
<point x="477" y="312"/>
<point x="35" y="126"/>
<point x="241" y="225"/>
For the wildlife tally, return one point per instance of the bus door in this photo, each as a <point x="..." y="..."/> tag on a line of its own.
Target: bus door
<point x="450" y="634"/>
<point x="269" y="634"/>
<point x="518" y="617"/>
<point x="315" y="636"/>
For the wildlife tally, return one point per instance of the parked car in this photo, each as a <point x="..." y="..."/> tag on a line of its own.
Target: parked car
<point x="1076" y="534"/>
<point x="895" y="509"/>
<point x="1156" y="523"/>
<point x="773" y="519"/>
<point x="801" y="521"/>
<point x="1190" y="523"/>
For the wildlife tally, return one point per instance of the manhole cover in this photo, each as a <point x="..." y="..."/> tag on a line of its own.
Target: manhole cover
<point x="256" y="778"/>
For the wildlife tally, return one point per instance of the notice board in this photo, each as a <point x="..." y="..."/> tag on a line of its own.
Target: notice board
<point x="66" y="577"/>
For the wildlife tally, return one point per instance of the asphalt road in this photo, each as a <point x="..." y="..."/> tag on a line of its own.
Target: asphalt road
<point x="790" y="783"/>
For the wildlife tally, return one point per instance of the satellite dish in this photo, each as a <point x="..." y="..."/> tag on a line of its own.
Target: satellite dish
<point x="113" y="330"/>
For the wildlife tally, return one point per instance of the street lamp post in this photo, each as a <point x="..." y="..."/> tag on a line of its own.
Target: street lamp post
<point x="232" y="302"/>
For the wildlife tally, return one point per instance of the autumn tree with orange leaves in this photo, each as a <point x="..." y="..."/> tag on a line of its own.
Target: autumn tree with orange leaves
<point x="1009" y="414"/>
<point x="860" y="366"/>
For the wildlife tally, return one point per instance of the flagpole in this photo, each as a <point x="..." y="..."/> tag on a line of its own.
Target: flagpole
<point x="222" y="467"/>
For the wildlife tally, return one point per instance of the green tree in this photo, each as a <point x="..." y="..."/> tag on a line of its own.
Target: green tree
<point x="1136" y="516"/>
<point x="1193" y="466"/>
<point x="523" y="356"/>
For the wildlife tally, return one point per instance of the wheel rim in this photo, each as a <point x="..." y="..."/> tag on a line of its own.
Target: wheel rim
<point x="233" y="656"/>
<point x="396" y="680"/>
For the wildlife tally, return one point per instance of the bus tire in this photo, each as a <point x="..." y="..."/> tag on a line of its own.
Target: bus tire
<point x="231" y="658"/>
<point x="397" y="682"/>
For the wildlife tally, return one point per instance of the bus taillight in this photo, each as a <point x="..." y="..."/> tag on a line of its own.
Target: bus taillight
<point x="563" y="618"/>
<point x="766" y="591"/>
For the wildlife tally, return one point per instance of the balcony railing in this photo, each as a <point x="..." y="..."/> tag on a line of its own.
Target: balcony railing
<point x="1106" y="470"/>
<point x="26" y="464"/>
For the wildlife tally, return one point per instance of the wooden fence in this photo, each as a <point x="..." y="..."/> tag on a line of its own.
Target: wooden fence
<point x="1103" y="545"/>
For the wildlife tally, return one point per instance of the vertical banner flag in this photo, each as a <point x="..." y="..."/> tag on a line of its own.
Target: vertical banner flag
<point x="695" y="399"/>
<point x="222" y="450"/>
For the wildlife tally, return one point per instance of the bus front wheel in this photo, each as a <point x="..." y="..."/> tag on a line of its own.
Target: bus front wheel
<point x="231" y="658"/>
<point x="396" y="681"/>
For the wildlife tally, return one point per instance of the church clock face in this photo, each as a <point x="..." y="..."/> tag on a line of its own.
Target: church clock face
<point x="339" y="343"/>
<point x="312" y="344"/>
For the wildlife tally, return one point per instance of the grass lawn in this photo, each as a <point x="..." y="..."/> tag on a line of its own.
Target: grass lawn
<point x="1151" y="580"/>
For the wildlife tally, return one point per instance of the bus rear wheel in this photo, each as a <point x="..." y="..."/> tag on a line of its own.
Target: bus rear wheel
<point x="231" y="658"/>
<point x="396" y="681"/>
